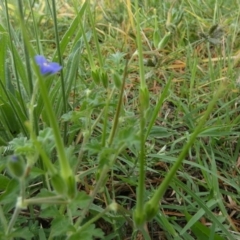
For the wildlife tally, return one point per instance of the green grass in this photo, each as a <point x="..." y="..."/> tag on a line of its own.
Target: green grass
<point x="137" y="137"/>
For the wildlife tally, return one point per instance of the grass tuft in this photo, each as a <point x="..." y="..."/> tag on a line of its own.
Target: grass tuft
<point x="136" y="136"/>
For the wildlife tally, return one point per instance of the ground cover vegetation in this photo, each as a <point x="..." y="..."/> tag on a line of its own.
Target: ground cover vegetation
<point x="119" y="119"/>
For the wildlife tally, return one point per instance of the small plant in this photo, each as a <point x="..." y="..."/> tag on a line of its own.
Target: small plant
<point x="96" y="143"/>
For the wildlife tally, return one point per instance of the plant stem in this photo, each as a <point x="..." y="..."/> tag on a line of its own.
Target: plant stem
<point x="64" y="164"/>
<point x="119" y="106"/>
<point x="13" y="219"/>
<point x="61" y="73"/>
<point x="95" y="35"/>
<point x="152" y="206"/>
<point x="143" y="101"/>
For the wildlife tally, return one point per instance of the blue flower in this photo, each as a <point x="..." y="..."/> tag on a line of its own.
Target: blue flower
<point x="47" y="67"/>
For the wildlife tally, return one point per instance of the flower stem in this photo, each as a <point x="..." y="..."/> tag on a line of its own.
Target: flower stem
<point x="64" y="164"/>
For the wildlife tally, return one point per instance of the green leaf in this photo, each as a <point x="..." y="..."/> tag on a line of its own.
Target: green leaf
<point x="3" y="142"/>
<point x="215" y="132"/>
<point x="96" y="76"/>
<point x="205" y="208"/>
<point x="59" y="184"/>
<point x="16" y="166"/>
<point x="88" y="234"/>
<point x="4" y="181"/>
<point x="70" y="75"/>
<point x="7" y="114"/>
<point x="23" y="233"/>
<point x="41" y="234"/>
<point x="60" y="226"/>
<point x="46" y="138"/>
<point x="71" y="30"/>
<point x="48" y="211"/>
<point x="36" y="172"/>
<point x="21" y="69"/>
<point x="23" y="146"/>
<point x="201" y="231"/>
<point x="79" y="202"/>
<point x="159" y="132"/>
<point x="3" y="51"/>
<point x="12" y="112"/>
<point x="104" y="79"/>
<point x="117" y="80"/>
<point x="210" y="204"/>
<point x="10" y="194"/>
<point x="163" y="221"/>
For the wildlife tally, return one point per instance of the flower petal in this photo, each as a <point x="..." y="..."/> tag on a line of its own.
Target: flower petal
<point x="47" y="67"/>
<point x="39" y="59"/>
<point x="55" y="67"/>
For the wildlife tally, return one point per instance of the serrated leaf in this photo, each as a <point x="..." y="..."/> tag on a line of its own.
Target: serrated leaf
<point x="80" y="201"/>
<point x="88" y="234"/>
<point x="49" y="212"/>
<point x="60" y="226"/>
<point x="10" y="194"/>
<point x="23" y="233"/>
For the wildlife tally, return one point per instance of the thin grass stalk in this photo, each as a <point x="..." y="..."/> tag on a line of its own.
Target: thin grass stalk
<point x="90" y="57"/>
<point x="35" y="27"/>
<point x="105" y="124"/>
<point x="15" y="215"/>
<point x="95" y="35"/>
<point x="61" y="73"/>
<point x="49" y="7"/>
<point x="203" y="205"/>
<point x="130" y="14"/>
<point x="64" y="164"/>
<point x="143" y="84"/>
<point x="217" y="192"/>
<point x="45" y="160"/>
<point x="237" y="150"/>
<point x="152" y="206"/>
<point x="27" y="58"/>
<point x="193" y="67"/>
<point x="138" y="215"/>
<point x="13" y="58"/>
<point x="14" y="109"/>
<point x="94" y="219"/>
<point x="119" y="106"/>
<point x="19" y="203"/>
<point x="210" y="67"/>
<point x="158" y="108"/>
<point x="3" y="219"/>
